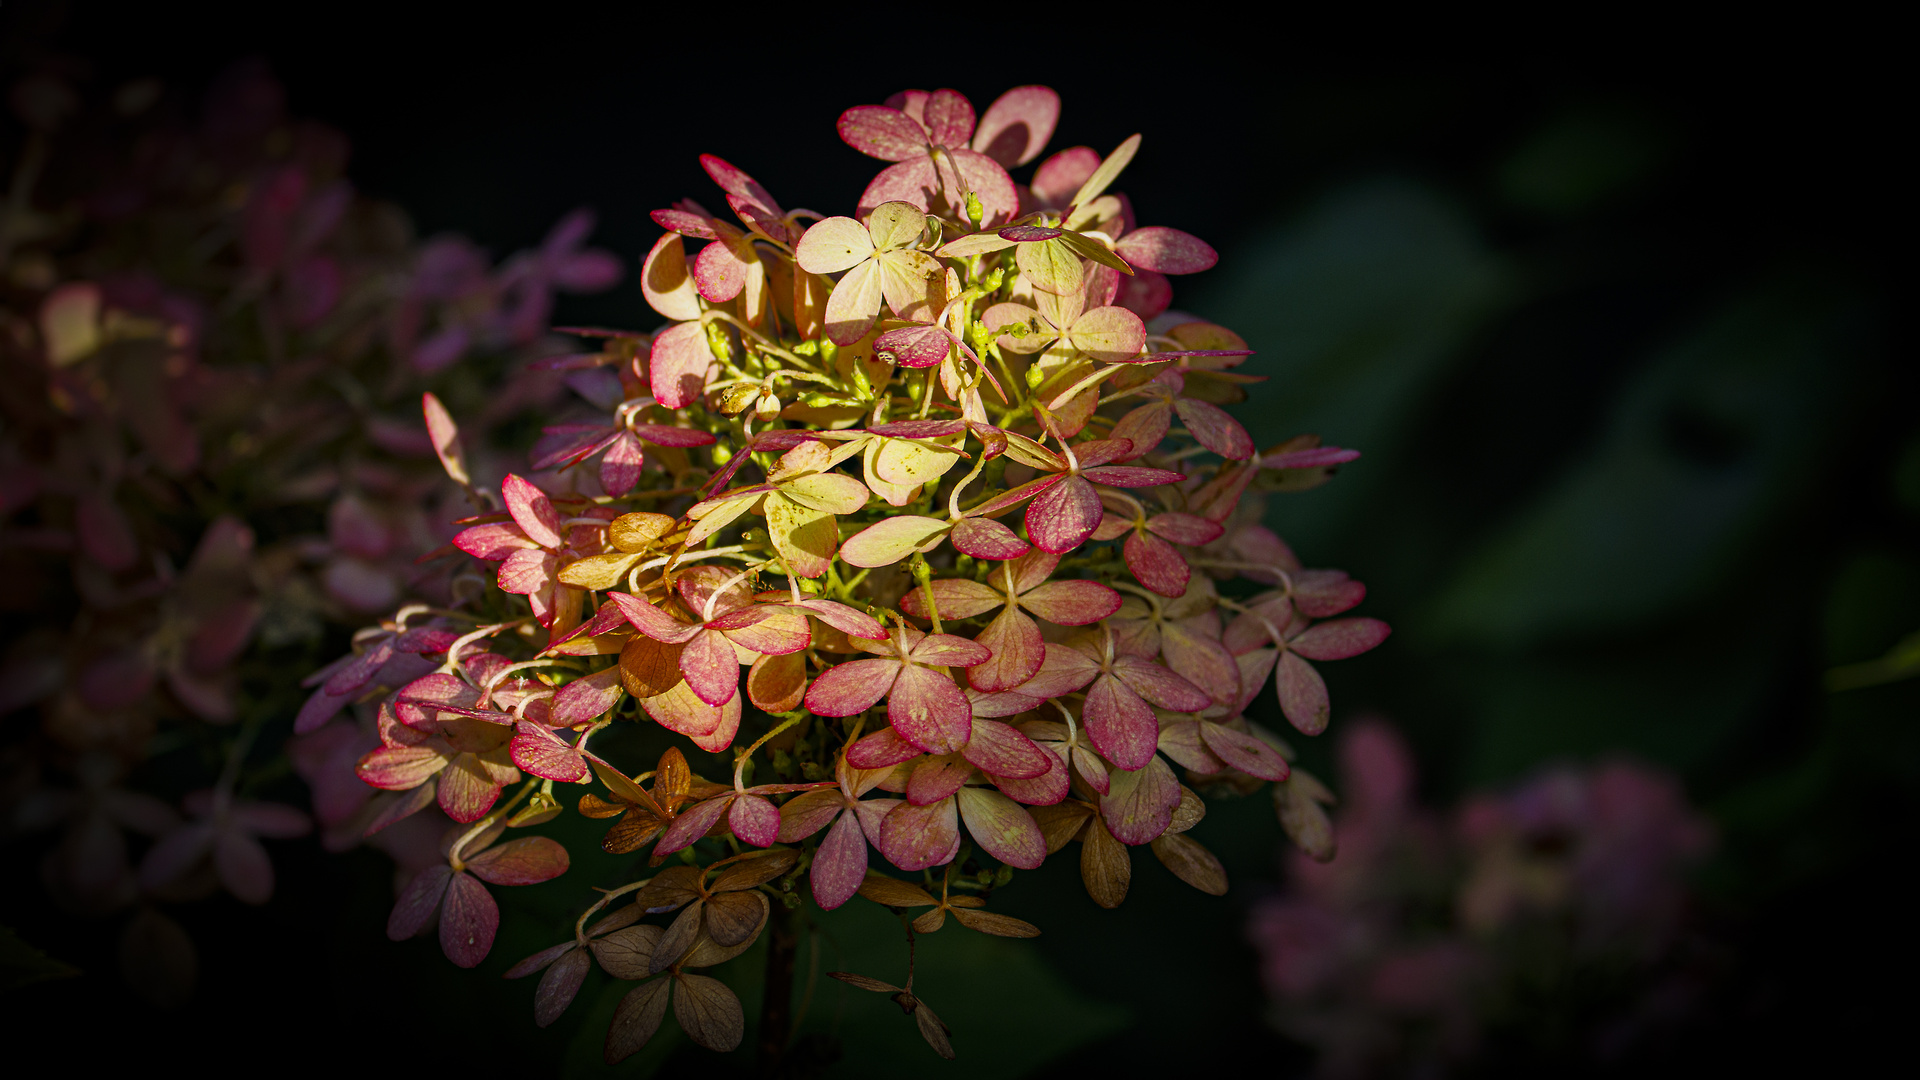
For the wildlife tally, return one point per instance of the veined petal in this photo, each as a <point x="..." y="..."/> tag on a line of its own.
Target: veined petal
<point x="1002" y="827"/>
<point x="1047" y="789"/>
<point x="532" y="511"/>
<point x="1244" y="752"/>
<point x="997" y="749"/>
<point x="917" y="837"/>
<point x="1062" y="517"/>
<point x="1160" y="686"/>
<point x="984" y="538"/>
<point x="851" y="687"/>
<point x="1139" y="805"/>
<point x="809" y="812"/>
<point x="889" y="540"/>
<point x="881" y="750"/>
<point x="840" y="863"/>
<point x="692" y="824"/>
<point x="1339" y="639"/>
<point x="1131" y="476"/>
<point x="711" y="668"/>
<point x="468" y="920"/>
<point x="1303" y="694"/>
<point x="957" y="598"/>
<point x="1212" y="428"/>
<point x="947" y="650"/>
<point x="1072" y="602"/>
<point x="935" y="778"/>
<point x="678" y="363"/>
<point x="1064" y="670"/>
<point x="754" y="821"/>
<point x="1016" y="646"/>
<point x="854" y="304"/>
<point x="1122" y="727"/>
<point x="927" y="709"/>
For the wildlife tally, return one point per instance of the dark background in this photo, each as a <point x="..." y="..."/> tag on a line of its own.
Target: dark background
<point x="1623" y="338"/>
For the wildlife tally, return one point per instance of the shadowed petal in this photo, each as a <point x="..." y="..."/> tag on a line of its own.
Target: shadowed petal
<point x="468" y="920"/>
<point x="840" y="863"/>
<point x="1071" y="603"/>
<point x="754" y="821"/>
<point x="1244" y="752"/>
<point x="927" y="709"/>
<point x="997" y="749"/>
<point x="1303" y="694"/>
<point x="1017" y="650"/>
<point x="1139" y="806"/>
<point x="419" y="902"/>
<point x="1339" y="639"/>
<point x="1160" y="686"/>
<point x="1121" y="725"/>
<point x="1002" y="827"/>
<point x="916" y="837"/>
<point x="1062" y="517"/>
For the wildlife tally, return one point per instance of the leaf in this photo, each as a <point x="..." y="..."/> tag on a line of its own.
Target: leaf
<point x="468" y="920"/>
<point x="708" y="1012"/>
<point x="637" y="1019"/>
<point x="559" y="986"/>
<point x="988" y="922"/>
<point x="627" y="953"/>
<point x="526" y="861"/>
<point x="864" y="983"/>
<point x="892" y="539"/>
<point x="1105" y="867"/>
<point x="893" y="892"/>
<point x="735" y="917"/>
<point x="1016" y="127"/>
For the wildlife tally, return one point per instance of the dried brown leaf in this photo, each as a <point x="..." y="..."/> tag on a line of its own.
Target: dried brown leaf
<point x="708" y="1012"/>
<point x="627" y="953"/>
<point x="930" y="921"/>
<point x="679" y="938"/>
<point x="755" y="870"/>
<point x="633" y="832"/>
<point x="1189" y="812"/>
<point x="594" y="806"/>
<point x="559" y="985"/>
<point x="734" y="917"/>
<point x="1298" y="800"/>
<point x="669" y="889"/>
<point x="1105" y="866"/>
<point x="1060" y="823"/>
<point x="932" y="1030"/>
<point x="1192" y="863"/>
<point x="637" y="1018"/>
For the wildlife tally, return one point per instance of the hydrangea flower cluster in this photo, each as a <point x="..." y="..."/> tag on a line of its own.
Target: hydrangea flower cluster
<point x="211" y="346"/>
<point x="934" y="503"/>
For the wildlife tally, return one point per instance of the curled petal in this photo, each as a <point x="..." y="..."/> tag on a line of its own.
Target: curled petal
<point x="1016" y="127"/>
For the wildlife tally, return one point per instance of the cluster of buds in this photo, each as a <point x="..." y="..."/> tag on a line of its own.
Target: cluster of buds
<point x="212" y="346"/>
<point x="935" y="504"/>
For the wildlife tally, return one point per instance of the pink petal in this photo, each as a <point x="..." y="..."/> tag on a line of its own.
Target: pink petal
<point x="400" y="769"/>
<point x="1156" y="564"/>
<point x="1160" y="686"/>
<point x="1168" y="251"/>
<point x="1252" y="756"/>
<point x="1064" y="670"/>
<point x="692" y="824"/>
<point x="712" y="667"/>
<point x="754" y="821"/>
<point x="984" y="538"/>
<point x="1017" y="125"/>
<point x="1015" y="643"/>
<point x="935" y="778"/>
<point x="1064" y="515"/>
<point x="586" y="699"/>
<point x="1139" y="805"/>
<point x="1212" y="428"/>
<point x="678" y="365"/>
<point x="532" y="511"/>
<point x="419" y="902"/>
<point x="652" y="621"/>
<point x="1339" y="639"/>
<point x="1071" y="603"/>
<point x="947" y="650"/>
<point x="468" y="920"/>
<point x="948" y="117"/>
<point x="1184" y="528"/>
<point x="915" y="346"/>
<point x="840" y="863"/>
<point x="927" y="709"/>
<point x="1182" y="742"/>
<point x="912" y="181"/>
<point x="1146" y="294"/>
<point x="998" y="750"/>
<point x="1122" y="727"/>
<point x="917" y="837"/>
<point x="808" y="813"/>
<point x="527" y="571"/>
<point x="1047" y="789"/>
<point x="493" y="541"/>
<point x="665" y="283"/>
<point x="720" y="272"/>
<point x="877" y="131"/>
<point x="881" y="749"/>
<point x="526" y="861"/>
<point x="1323" y="593"/>
<point x="539" y="751"/>
<point x="1108" y="334"/>
<point x="685" y="224"/>
<point x="466" y="791"/>
<point x="1314" y="458"/>
<point x="1002" y="828"/>
<point x="1207" y="663"/>
<point x="851" y="687"/>
<point x="1131" y="476"/>
<point x="1303" y="694"/>
<point x="847" y="620"/>
<point x="957" y="598"/>
<point x="620" y="468"/>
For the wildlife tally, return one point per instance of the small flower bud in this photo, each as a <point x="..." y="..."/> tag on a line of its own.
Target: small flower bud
<point x="975" y="212"/>
<point x="718" y="343"/>
<point x="768" y="407"/>
<point x="1035" y="377"/>
<point x="807" y="348"/>
<point x="862" y="386"/>
<point x="828" y="350"/>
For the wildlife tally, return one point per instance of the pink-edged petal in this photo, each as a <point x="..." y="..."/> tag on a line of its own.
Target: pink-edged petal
<point x="1182" y="742"/>
<point x="1212" y="428"/>
<point x="912" y="181"/>
<point x="998" y="750"/>
<point x="1015" y="643"/>
<point x="1156" y="564"/>
<point x="1160" y="686"/>
<point x="1314" y="458"/>
<point x="1323" y="593"/>
<point x="1064" y="515"/>
<point x="872" y="813"/>
<point x="808" y="813"/>
<point x="1047" y="789"/>
<point x="1003" y="828"/>
<point x="1131" y="476"/>
<point x="712" y="667"/>
<point x="419" y="902"/>
<point x="1071" y="603"/>
<point x="665" y="282"/>
<point x="1145" y="427"/>
<point x="671" y="435"/>
<point x="928" y="710"/>
<point x="468" y="920"/>
<point x="1146" y="294"/>
<point x="1121" y="725"/>
<point x="915" y="346"/>
<point x="532" y="511"/>
<point x="526" y="572"/>
<point x="1167" y="251"/>
<point x="1206" y="663"/>
<point x="586" y="699"/>
<point x="652" y="621"/>
<point x="692" y="824"/>
<point x="1064" y="670"/>
<point x="984" y="538"/>
<point x="881" y="749"/>
<point x="1108" y="334"/>
<point x="935" y="778"/>
<point x="1100" y="451"/>
<point x="620" y="468"/>
<point x="948" y="650"/>
<point x="957" y="598"/>
<point x="839" y="863"/>
<point x="1303" y="694"/>
<point x="917" y="837"/>
<point x="754" y="821"/>
<point x="880" y="132"/>
<point x="772" y="630"/>
<point x="1340" y="638"/>
<point x="1138" y="806"/>
<point x="845" y="619"/>
<point x="851" y="687"/>
<point x="948" y="117"/>
<point x="400" y="768"/>
<point x="1016" y="127"/>
<point x="854" y="303"/>
<point x="536" y="749"/>
<point x="1252" y="756"/>
<point x="529" y="860"/>
<point x="466" y="791"/>
<point x="492" y="542"/>
<point x="677" y="366"/>
<point x="833" y="245"/>
<point x="892" y="539"/>
<point x="1092" y="770"/>
<point x="1187" y="529"/>
<point x="719" y="272"/>
<point x="684" y="223"/>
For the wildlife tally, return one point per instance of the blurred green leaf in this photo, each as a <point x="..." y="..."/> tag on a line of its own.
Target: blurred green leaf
<point x="23" y="965"/>
<point x="1581" y="159"/>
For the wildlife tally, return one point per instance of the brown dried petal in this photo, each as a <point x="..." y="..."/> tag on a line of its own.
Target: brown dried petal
<point x="637" y="1018"/>
<point x="594" y="806"/>
<point x="988" y="922"/>
<point x="679" y="938"/>
<point x="755" y="870"/>
<point x="1061" y="823"/>
<point x="622" y="917"/>
<point x="649" y="668"/>
<point x="1189" y="812"/>
<point x="932" y="1030"/>
<point x="864" y="983"/>
<point x="930" y="921"/>
<point x="893" y="892"/>
<point x="1298" y="800"/>
<point x="670" y="888"/>
<point x="633" y="832"/>
<point x="627" y="953"/>
<point x="708" y="1012"/>
<point x="1192" y="863"/>
<point x="1104" y="865"/>
<point x="708" y="953"/>
<point x="558" y="987"/>
<point x="734" y="917"/>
